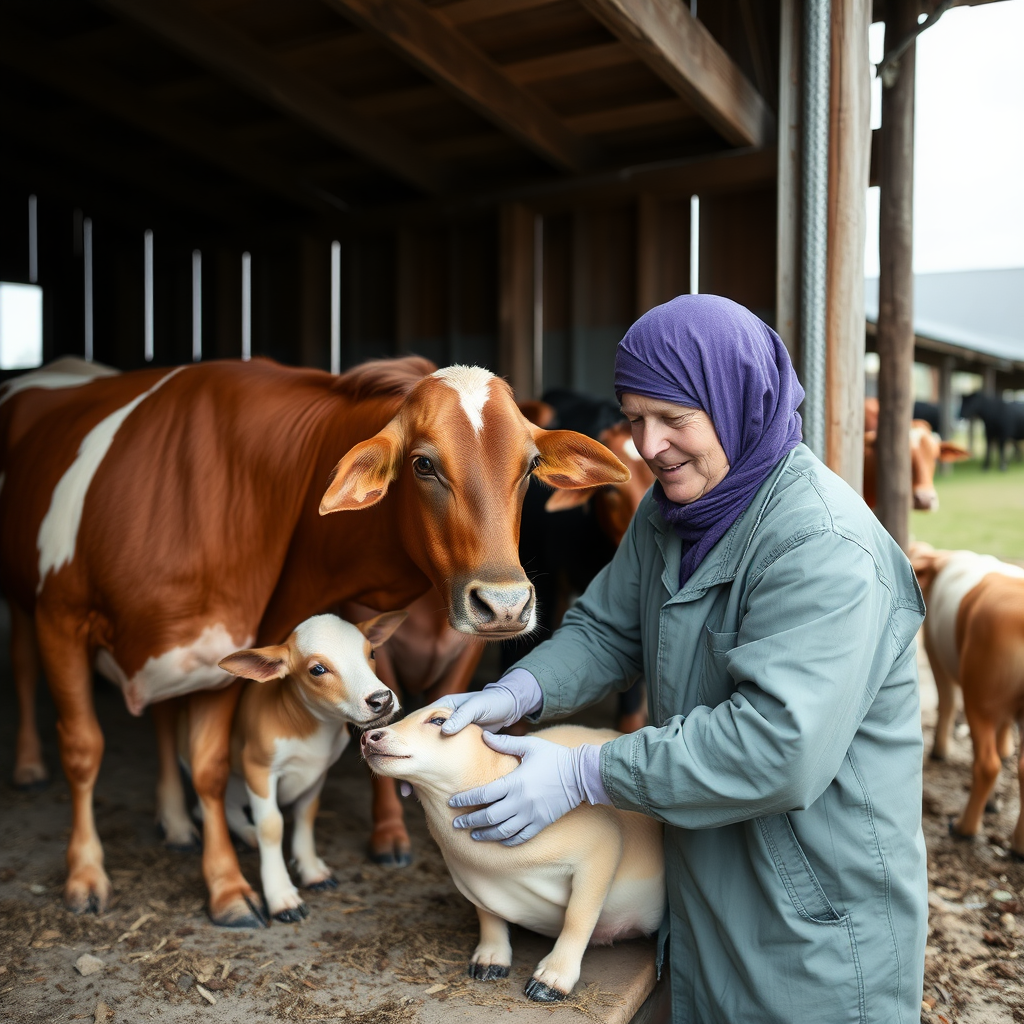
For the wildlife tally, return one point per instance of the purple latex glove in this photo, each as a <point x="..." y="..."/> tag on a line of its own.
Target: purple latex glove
<point x="550" y="781"/>
<point x="496" y="706"/>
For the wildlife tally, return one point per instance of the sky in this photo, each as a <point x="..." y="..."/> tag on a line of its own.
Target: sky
<point x="968" y="141"/>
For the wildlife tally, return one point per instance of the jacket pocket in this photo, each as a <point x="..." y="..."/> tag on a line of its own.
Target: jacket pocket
<point x="805" y="892"/>
<point x="716" y="684"/>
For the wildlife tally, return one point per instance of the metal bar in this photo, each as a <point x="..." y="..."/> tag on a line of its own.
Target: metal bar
<point x="246" y="307"/>
<point x="814" y="223"/>
<point x="694" y="244"/>
<point x="147" y="257"/>
<point x="197" y="306"/>
<point x="335" y="307"/>
<point x="87" y="278"/>
<point x="33" y="241"/>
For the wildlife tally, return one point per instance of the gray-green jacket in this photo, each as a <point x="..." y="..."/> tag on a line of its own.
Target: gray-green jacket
<point x="783" y="755"/>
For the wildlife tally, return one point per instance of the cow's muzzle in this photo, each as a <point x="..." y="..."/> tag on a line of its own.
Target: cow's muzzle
<point x="496" y="610"/>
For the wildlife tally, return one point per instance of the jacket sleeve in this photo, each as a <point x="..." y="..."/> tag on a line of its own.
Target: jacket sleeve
<point x="819" y="634"/>
<point x="597" y="648"/>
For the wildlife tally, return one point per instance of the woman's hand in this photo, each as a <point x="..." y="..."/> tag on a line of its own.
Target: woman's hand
<point x="550" y="781"/>
<point x="497" y="706"/>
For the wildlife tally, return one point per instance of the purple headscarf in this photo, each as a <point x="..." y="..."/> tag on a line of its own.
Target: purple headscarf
<point x="711" y="353"/>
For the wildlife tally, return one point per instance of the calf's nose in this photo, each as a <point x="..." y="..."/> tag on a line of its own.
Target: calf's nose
<point x="380" y="702"/>
<point x="369" y="738"/>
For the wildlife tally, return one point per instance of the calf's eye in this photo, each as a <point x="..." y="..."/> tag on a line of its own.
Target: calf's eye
<point x="423" y="466"/>
<point x="317" y="670"/>
<point x="436" y="721"/>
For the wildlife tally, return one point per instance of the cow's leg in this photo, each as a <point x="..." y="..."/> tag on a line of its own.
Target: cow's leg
<point x="946" y="687"/>
<point x="313" y="872"/>
<point x="1017" y="842"/>
<point x="29" y="768"/>
<point x="172" y="815"/>
<point x="233" y="902"/>
<point x="986" y="770"/>
<point x="460" y="674"/>
<point x="1006" y="747"/>
<point x="65" y="660"/>
<point x="389" y="840"/>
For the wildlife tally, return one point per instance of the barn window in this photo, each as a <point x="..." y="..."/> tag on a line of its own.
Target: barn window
<point x="21" y="326"/>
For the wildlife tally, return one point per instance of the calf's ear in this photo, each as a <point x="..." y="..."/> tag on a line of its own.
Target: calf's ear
<point x="562" y="500"/>
<point x="378" y="629"/>
<point x="569" y="461"/>
<point x="261" y="664"/>
<point x="950" y="452"/>
<point x="362" y="477"/>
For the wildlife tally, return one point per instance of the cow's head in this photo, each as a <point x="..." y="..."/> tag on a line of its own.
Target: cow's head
<point x="927" y="449"/>
<point x="457" y="458"/>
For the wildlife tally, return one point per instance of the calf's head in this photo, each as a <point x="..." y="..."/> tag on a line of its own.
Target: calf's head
<point x="927" y="449"/>
<point x="330" y="661"/>
<point x="456" y="460"/>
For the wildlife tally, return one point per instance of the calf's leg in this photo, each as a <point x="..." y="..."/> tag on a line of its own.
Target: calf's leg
<point x="946" y="687"/>
<point x="283" y="899"/>
<point x="233" y="902"/>
<point x="65" y="658"/>
<point x="172" y="815"/>
<point x="986" y="770"/>
<point x="389" y="841"/>
<point x="313" y="872"/>
<point x="1017" y="842"/>
<point x="29" y="768"/>
<point x="492" y="957"/>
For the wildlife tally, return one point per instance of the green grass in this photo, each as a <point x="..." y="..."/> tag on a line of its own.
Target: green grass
<point x="980" y="510"/>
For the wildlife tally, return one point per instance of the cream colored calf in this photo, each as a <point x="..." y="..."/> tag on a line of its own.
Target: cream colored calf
<point x="291" y="726"/>
<point x="595" y="875"/>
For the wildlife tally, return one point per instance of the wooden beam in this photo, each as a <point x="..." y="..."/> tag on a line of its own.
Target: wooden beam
<point x="896" y="282"/>
<point x="787" y="252"/>
<point x="568" y="63"/>
<point x="684" y="54"/>
<point x="618" y="119"/>
<point x="57" y="67"/>
<point x="255" y="69"/>
<point x="465" y="12"/>
<point x="849" y="157"/>
<point x="515" y="298"/>
<point x="423" y="36"/>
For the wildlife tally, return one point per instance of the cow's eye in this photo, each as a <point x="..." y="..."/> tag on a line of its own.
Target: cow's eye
<point x="534" y="463"/>
<point x="423" y="466"/>
<point x="317" y="670"/>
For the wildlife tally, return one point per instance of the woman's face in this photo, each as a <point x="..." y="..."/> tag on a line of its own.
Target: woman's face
<point x="679" y="444"/>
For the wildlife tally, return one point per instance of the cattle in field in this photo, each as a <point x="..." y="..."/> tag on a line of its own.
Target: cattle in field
<point x="1004" y="423"/>
<point x="974" y="638"/>
<point x="929" y="412"/>
<point x="927" y="450"/>
<point x="153" y="522"/>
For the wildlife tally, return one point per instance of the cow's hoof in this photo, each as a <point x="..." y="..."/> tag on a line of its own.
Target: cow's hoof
<point x="956" y="834"/>
<point x="488" y="972"/>
<point x="244" y="912"/>
<point x="330" y="882"/>
<point x="934" y="756"/>
<point x="393" y="857"/>
<point x="541" y="993"/>
<point x="87" y="894"/>
<point x="291" y="915"/>
<point x="179" y="843"/>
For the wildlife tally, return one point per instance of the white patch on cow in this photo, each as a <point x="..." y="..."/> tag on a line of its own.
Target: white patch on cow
<point x="182" y="669"/>
<point x="961" y="574"/>
<point x="631" y="450"/>
<point x="58" y="531"/>
<point x="472" y="383"/>
<point x="69" y="372"/>
<point x="917" y="435"/>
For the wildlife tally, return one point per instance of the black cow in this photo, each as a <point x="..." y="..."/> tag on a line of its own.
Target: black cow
<point x="929" y="412"/>
<point x="1004" y="423"/>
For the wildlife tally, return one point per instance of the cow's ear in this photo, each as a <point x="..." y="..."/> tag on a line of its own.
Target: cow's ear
<point x="261" y="664"/>
<point x="362" y="477"/>
<point x="569" y="460"/>
<point x="950" y="452"/>
<point x="379" y="629"/>
<point x="562" y="500"/>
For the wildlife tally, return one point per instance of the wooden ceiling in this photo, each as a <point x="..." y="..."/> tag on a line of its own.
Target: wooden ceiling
<point x="232" y="110"/>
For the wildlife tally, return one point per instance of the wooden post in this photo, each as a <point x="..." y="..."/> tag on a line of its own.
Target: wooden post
<point x="896" y="280"/>
<point x="787" y="262"/>
<point x="515" y="298"/>
<point x="849" y="162"/>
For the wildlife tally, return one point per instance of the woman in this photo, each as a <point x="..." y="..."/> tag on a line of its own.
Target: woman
<point x="774" y="621"/>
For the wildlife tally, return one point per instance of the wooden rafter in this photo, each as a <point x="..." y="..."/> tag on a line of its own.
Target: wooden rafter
<point x="571" y="62"/>
<point x="634" y="116"/>
<point x="256" y="70"/>
<point x="423" y="36"/>
<point x="681" y="51"/>
<point x="59" y="68"/>
<point x="465" y="12"/>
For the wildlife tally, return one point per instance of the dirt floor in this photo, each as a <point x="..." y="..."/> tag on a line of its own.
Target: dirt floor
<point x="388" y="946"/>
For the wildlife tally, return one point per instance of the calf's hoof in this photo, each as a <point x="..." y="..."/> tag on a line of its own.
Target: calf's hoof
<point x="330" y="882"/>
<point x="178" y="842"/>
<point x="488" y="972"/>
<point x="956" y="834"/>
<point x="30" y="778"/>
<point x="291" y="915"/>
<point x="242" y="912"/>
<point x="392" y="854"/>
<point x="936" y="755"/>
<point x="541" y="993"/>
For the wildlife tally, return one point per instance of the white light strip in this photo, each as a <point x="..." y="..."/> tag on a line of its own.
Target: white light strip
<point x="694" y="244"/>
<point x="246" y="306"/>
<point x="87" y="275"/>
<point x="335" y="307"/>
<point x="197" y="305"/>
<point x="147" y="255"/>
<point x="33" y="241"/>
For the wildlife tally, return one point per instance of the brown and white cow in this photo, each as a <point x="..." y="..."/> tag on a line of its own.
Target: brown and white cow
<point x="974" y="637"/>
<point x="927" y="450"/>
<point x="153" y="522"/>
